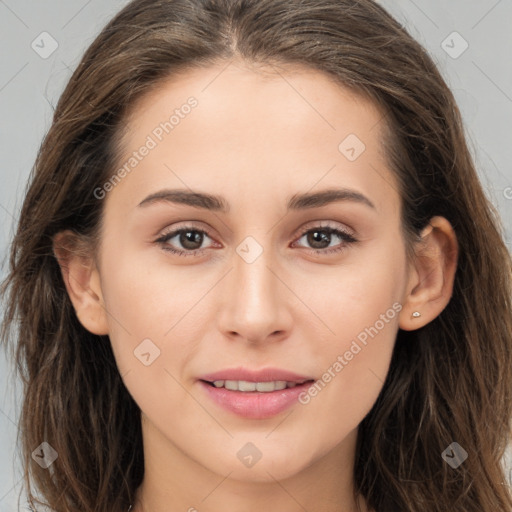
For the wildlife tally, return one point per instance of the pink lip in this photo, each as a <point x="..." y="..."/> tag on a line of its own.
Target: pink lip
<point x="263" y="375"/>
<point x="255" y="404"/>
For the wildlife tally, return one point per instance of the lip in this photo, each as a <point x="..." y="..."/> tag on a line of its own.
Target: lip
<point x="255" y="404"/>
<point x="263" y="375"/>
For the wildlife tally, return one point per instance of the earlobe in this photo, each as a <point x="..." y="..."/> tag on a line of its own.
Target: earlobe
<point x="82" y="281"/>
<point x="432" y="275"/>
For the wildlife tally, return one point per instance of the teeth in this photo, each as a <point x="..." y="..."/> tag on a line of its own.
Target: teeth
<point x="266" y="387"/>
<point x="232" y="385"/>
<point x="243" y="385"/>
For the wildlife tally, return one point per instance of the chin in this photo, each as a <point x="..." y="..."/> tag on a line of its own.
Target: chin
<point x="270" y="467"/>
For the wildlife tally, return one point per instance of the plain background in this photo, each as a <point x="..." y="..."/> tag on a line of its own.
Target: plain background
<point x="480" y="76"/>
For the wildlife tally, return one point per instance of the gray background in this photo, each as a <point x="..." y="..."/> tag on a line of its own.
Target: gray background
<point x="481" y="78"/>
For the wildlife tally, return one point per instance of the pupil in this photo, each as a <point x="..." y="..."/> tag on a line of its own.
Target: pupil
<point x="188" y="238"/>
<point x="324" y="237"/>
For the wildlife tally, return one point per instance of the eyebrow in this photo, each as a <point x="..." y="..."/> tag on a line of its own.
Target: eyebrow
<point x="215" y="203"/>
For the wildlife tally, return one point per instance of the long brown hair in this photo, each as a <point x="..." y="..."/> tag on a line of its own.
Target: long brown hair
<point x="449" y="381"/>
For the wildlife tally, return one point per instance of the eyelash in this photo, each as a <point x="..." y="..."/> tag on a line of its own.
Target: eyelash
<point x="344" y="235"/>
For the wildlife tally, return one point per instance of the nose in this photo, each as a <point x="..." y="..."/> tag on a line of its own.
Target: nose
<point x="255" y="304"/>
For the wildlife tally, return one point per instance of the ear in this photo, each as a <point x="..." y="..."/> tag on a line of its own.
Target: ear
<point x="431" y="276"/>
<point x="82" y="281"/>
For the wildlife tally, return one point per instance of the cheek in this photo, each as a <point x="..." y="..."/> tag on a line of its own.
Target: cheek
<point x="355" y="296"/>
<point x="152" y="333"/>
<point x="152" y="308"/>
<point x="354" y="358"/>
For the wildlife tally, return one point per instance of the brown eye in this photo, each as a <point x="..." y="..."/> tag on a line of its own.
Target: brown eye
<point x="190" y="239"/>
<point x="319" y="238"/>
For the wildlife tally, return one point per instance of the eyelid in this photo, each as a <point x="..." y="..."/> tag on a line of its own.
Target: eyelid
<point x="301" y="232"/>
<point x="325" y="225"/>
<point x="184" y="225"/>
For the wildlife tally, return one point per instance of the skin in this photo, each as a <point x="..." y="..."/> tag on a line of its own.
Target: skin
<point x="256" y="139"/>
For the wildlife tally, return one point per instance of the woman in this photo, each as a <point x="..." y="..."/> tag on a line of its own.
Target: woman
<point x="251" y="365"/>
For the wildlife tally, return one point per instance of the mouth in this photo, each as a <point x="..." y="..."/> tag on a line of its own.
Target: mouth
<point x="261" y="387"/>
<point x="254" y="395"/>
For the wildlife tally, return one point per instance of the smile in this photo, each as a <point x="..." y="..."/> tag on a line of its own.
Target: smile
<point x="254" y="400"/>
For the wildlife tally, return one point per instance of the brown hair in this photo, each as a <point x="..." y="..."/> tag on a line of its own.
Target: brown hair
<point x="448" y="381"/>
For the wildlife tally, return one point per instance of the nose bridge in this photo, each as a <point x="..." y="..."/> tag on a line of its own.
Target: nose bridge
<point x="252" y="270"/>
<point x="254" y="305"/>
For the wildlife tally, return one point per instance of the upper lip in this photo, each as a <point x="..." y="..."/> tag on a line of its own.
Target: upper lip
<point x="263" y="375"/>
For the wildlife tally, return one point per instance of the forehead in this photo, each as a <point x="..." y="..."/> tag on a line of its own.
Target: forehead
<point x="283" y="127"/>
<point x="301" y="92"/>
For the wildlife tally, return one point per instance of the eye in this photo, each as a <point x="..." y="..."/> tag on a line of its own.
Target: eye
<point x="189" y="237"/>
<point x="320" y="237"/>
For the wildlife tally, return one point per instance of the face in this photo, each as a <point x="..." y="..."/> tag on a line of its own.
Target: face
<point x="259" y="284"/>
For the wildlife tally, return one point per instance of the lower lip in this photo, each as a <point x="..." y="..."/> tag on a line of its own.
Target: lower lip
<point x="255" y="404"/>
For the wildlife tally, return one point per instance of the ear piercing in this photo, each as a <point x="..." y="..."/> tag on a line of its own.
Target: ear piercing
<point x="416" y="314"/>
